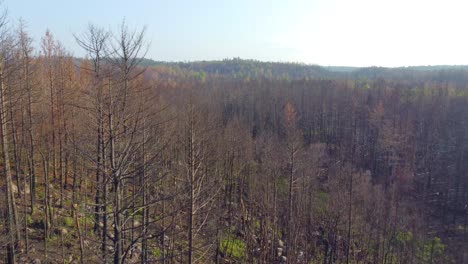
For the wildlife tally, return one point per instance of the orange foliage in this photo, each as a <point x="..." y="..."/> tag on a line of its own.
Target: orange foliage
<point x="290" y="114"/>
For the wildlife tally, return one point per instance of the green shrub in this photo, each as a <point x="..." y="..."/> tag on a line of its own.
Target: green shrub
<point x="234" y="247"/>
<point x="257" y="224"/>
<point x="403" y="238"/>
<point x="433" y="250"/>
<point x="157" y="253"/>
<point x="40" y="193"/>
<point x="282" y="185"/>
<point x="29" y="220"/>
<point x="88" y="220"/>
<point x="321" y="200"/>
<point x="68" y="221"/>
<point x="36" y="220"/>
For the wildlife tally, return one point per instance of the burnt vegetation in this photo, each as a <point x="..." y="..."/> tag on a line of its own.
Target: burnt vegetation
<point x="113" y="158"/>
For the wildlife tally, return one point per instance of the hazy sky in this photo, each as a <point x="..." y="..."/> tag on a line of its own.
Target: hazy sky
<point x="326" y="32"/>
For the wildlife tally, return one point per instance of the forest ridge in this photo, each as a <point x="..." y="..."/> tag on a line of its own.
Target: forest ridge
<point x="114" y="158"/>
<point x="243" y="68"/>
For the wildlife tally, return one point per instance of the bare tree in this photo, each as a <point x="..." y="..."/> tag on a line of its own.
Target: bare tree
<point x="12" y="226"/>
<point x="94" y="42"/>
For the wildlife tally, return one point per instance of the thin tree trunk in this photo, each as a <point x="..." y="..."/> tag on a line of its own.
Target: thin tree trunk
<point x="192" y="187"/>
<point x="117" y="190"/>
<point x="350" y="210"/>
<point x="52" y="122"/>
<point x="290" y="237"/>
<point x="32" y="167"/>
<point x="144" y="242"/>
<point x="99" y="181"/>
<point x="80" y="235"/>
<point x="12" y="224"/>
<point x="47" y="220"/>
<point x="104" y="201"/>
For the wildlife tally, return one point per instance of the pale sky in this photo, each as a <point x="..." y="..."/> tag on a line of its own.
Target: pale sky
<point x="325" y="32"/>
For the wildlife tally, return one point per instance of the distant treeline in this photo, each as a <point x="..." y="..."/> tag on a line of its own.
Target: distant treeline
<point x="240" y="68"/>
